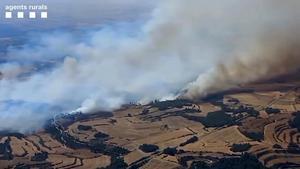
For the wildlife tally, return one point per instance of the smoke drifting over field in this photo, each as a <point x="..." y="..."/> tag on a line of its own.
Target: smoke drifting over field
<point x="222" y="43"/>
<point x="272" y="54"/>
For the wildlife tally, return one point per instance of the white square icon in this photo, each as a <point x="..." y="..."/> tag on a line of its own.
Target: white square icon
<point x="20" y="15"/>
<point x="32" y="15"/>
<point x="8" y="14"/>
<point x="44" y="15"/>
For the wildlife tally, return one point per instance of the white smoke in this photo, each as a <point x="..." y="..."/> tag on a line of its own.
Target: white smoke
<point x="138" y="63"/>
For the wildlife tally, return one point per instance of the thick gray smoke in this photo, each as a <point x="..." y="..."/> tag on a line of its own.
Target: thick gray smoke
<point x="264" y="42"/>
<point x="276" y="54"/>
<point x="227" y="43"/>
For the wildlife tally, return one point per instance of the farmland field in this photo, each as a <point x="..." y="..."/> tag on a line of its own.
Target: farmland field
<point x="258" y="123"/>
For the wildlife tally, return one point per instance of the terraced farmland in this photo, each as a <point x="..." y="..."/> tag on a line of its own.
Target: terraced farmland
<point x="245" y="128"/>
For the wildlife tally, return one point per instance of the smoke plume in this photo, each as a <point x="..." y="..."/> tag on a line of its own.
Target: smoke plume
<point x="222" y="43"/>
<point x="276" y="54"/>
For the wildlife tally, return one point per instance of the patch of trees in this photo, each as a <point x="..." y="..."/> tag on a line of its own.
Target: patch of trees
<point x="63" y="137"/>
<point x="41" y="156"/>
<point x="296" y="121"/>
<point x="257" y="136"/>
<point x="246" y="161"/>
<point x="263" y="152"/>
<point x="84" y="127"/>
<point x="145" y="112"/>
<point x="289" y="150"/>
<point x="292" y="146"/>
<point x="186" y="113"/>
<point x="67" y="119"/>
<point x="240" y="109"/>
<point x="139" y="163"/>
<point x="199" y="165"/>
<point x="251" y="111"/>
<point x="189" y="141"/>
<point x="186" y="160"/>
<point x="148" y="148"/>
<point x="164" y="105"/>
<point x="233" y="100"/>
<point x="43" y="165"/>
<point x="214" y="98"/>
<point x="217" y="119"/>
<point x="101" y="135"/>
<point x="6" y="151"/>
<point x="13" y="134"/>
<point x="117" y="163"/>
<point x="287" y="165"/>
<point x="236" y="110"/>
<point x="172" y="151"/>
<point x="97" y="146"/>
<point x="22" y="166"/>
<point x="240" y="147"/>
<point x="271" y="110"/>
<point x="277" y="146"/>
<point x="183" y="160"/>
<point x="112" y="121"/>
